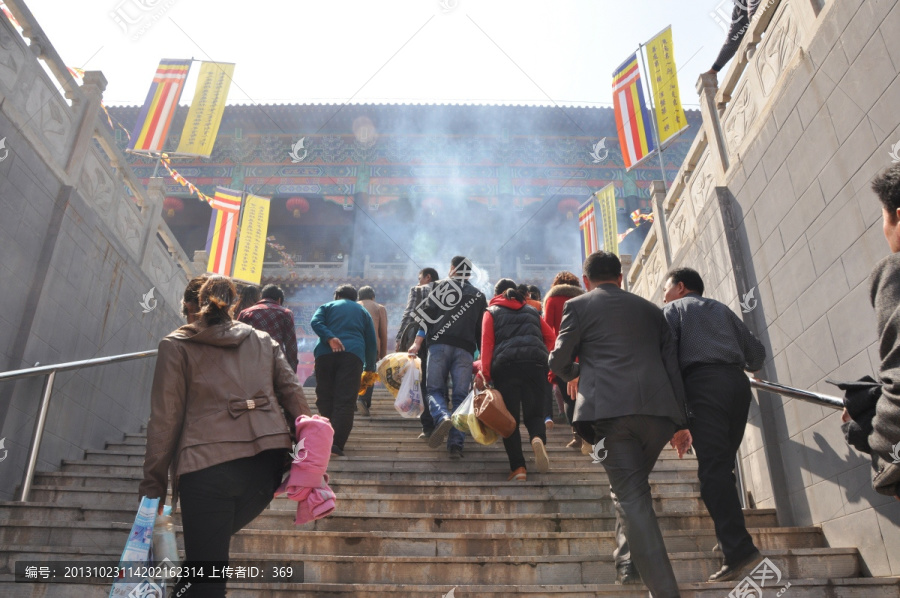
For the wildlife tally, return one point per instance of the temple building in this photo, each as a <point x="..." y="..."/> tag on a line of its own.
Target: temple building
<point x="370" y="194"/>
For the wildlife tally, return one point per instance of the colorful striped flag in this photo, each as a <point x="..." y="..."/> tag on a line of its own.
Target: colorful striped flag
<point x="632" y="118"/>
<point x="153" y="122"/>
<point x="228" y="200"/>
<point x="587" y="223"/>
<point x="223" y="230"/>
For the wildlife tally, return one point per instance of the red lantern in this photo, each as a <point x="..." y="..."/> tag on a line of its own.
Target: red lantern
<point x="172" y="205"/>
<point x="568" y="207"/>
<point x="432" y="205"/>
<point x="298" y="205"/>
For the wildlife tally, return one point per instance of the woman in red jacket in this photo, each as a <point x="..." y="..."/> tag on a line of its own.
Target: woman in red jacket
<point x="515" y="345"/>
<point x="565" y="286"/>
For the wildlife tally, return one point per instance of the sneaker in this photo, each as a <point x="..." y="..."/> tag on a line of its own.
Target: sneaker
<point x="363" y="408"/>
<point x="440" y="432"/>
<point x="336" y="452"/>
<point x="456" y="453"/>
<point x="548" y="423"/>
<point x="519" y="475"/>
<point x="627" y="574"/>
<point x="739" y="569"/>
<point x="541" y="460"/>
<point x="575" y="443"/>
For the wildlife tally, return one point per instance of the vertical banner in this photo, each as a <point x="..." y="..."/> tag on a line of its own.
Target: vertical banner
<point x="632" y="118"/>
<point x="156" y="114"/>
<point x="248" y="264"/>
<point x="606" y="204"/>
<point x="670" y="120"/>
<point x="207" y="108"/>
<point x="587" y="224"/>
<point x="220" y="243"/>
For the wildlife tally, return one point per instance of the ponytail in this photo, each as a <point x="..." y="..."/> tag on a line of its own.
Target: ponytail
<point x="514" y="295"/>
<point x="216" y="296"/>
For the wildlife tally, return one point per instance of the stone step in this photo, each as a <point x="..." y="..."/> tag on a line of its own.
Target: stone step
<point x="496" y="472"/>
<point x="502" y="570"/>
<point x="282" y="519"/>
<point x="434" y="504"/>
<point x="801" y="588"/>
<point x="96" y="534"/>
<point x="460" y="489"/>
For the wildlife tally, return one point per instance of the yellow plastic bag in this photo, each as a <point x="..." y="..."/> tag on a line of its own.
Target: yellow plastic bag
<point x="460" y="417"/>
<point x="480" y="432"/>
<point x="391" y="370"/>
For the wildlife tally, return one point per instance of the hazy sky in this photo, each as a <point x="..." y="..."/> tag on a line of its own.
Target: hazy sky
<point x="494" y="51"/>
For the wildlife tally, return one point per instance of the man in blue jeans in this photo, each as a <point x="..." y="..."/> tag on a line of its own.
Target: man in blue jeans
<point x="452" y="315"/>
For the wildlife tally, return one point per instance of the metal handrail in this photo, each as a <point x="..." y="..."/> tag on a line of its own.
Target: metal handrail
<point x="809" y="396"/>
<point x="40" y="422"/>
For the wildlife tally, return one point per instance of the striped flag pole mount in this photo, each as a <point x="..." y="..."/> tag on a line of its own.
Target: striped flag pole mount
<point x="632" y="117"/>
<point x="156" y="114"/>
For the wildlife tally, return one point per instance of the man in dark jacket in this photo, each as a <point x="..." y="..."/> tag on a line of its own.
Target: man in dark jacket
<point x="882" y="432"/>
<point x="741" y="15"/>
<point x="347" y="346"/>
<point x="406" y="335"/>
<point x="628" y="393"/>
<point x="452" y="313"/>
<point x="714" y="349"/>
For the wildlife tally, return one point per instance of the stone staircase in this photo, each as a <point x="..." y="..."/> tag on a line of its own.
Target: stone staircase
<point x="411" y="523"/>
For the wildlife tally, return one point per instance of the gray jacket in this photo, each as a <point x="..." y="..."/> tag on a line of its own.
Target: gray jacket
<point x="627" y="358"/>
<point x="885" y="436"/>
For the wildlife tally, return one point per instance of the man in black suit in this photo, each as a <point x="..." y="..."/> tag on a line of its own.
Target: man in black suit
<point x="628" y="392"/>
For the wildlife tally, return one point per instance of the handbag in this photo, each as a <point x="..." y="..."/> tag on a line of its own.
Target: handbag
<point x="490" y="409"/>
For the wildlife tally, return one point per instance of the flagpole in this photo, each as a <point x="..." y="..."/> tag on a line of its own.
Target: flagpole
<point x="659" y="150"/>
<point x="238" y="237"/>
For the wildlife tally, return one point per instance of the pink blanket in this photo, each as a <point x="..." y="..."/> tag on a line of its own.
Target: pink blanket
<point x="307" y="482"/>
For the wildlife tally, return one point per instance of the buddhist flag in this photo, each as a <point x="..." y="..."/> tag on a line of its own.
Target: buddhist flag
<point x="609" y="225"/>
<point x="223" y="230"/>
<point x="670" y="120"/>
<point x="153" y="121"/>
<point x="587" y="224"/>
<point x="205" y="114"/>
<point x="252" y="246"/>
<point x="632" y="119"/>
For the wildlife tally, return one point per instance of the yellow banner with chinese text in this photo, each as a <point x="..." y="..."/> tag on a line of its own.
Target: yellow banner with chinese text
<point x="207" y="108"/>
<point x="670" y="119"/>
<point x="251" y="250"/>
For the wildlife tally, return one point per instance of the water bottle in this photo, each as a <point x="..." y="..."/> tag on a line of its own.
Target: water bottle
<point x="165" y="547"/>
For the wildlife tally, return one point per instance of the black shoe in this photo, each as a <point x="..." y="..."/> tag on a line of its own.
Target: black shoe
<point x="336" y="452"/>
<point x="627" y="574"/>
<point x="456" y="452"/>
<point x="426" y="434"/>
<point x="739" y="569"/>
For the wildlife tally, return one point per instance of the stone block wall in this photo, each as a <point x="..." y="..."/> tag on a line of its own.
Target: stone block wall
<point x="80" y="247"/>
<point x="806" y="121"/>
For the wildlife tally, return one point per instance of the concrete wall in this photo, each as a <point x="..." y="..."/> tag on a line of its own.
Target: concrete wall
<point x="775" y="198"/>
<point x="80" y="246"/>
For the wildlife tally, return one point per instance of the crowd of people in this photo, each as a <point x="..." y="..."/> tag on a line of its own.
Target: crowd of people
<point x="628" y="373"/>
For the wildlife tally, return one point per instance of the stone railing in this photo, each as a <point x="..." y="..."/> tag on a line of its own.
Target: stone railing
<point x="732" y="116"/>
<point x="308" y="270"/>
<point x="64" y="124"/>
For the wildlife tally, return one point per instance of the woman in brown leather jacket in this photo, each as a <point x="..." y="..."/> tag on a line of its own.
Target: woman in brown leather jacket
<point x="217" y="426"/>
